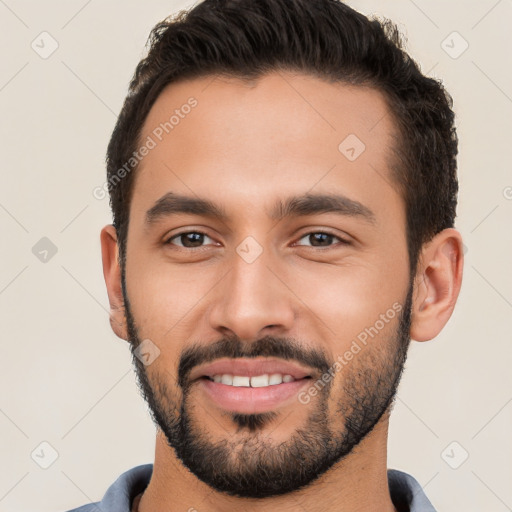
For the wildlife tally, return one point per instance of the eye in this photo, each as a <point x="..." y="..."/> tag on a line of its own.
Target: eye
<point x="323" y="239"/>
<point x="189" y="239"/>
<point x="196" y="239"/>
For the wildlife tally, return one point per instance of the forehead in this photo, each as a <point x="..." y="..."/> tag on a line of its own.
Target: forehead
<point x="245" y="144"/>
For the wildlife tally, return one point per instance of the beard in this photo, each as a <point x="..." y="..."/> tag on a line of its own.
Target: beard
<point x="249" y="464"/>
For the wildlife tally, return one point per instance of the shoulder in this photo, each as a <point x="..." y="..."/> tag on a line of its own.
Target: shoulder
<point x="406" y="493"/>
<point x="120" y="494"/>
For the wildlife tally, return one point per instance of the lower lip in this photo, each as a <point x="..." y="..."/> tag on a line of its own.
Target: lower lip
<point x="249" y="400"/>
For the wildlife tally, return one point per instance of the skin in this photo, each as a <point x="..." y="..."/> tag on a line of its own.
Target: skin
<point x="244" y="148"/>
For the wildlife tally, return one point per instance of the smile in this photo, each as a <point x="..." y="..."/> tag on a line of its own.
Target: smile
<point x="258" y="381"/>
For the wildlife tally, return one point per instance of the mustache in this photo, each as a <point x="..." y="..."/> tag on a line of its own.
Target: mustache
<point x="268" y="346"/>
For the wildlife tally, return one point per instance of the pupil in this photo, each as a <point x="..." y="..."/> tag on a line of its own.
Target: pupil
<point x="195" y="239"/>
<point x="186" y="238"/>
<point x="324" y="237"/>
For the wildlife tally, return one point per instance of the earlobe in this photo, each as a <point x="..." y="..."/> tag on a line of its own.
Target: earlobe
<point x="437" y="284"/>
<point x="112" y="275"/>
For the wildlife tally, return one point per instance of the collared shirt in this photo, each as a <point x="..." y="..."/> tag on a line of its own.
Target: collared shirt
<point x="406" y="493"/>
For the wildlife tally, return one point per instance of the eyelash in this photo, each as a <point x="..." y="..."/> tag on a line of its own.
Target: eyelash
<point x="342" y="241"/>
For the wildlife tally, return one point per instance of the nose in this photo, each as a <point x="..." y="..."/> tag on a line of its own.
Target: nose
<point x="252" y="300"/>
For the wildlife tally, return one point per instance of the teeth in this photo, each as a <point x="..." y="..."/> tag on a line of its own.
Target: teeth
<point x="241" y="381"/>
<point x="227" y="379"/>
<point x="259" y="381"/>
<point x="275" y="378"/>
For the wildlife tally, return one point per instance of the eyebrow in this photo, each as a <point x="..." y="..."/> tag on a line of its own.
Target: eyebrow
<point x="312" y="204"/>
<point x="303" y="205"/>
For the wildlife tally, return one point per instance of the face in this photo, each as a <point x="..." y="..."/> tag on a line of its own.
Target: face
<point x="266" y="258"/>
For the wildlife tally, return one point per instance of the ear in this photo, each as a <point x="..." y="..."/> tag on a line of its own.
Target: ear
<point x="437" y="284"/>
<point x="112" y="275"/>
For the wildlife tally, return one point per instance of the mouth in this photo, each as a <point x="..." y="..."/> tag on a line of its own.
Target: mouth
<point x="251" y="386"/>
<point x="256" y="370"/>
<point x="257" y="381"/>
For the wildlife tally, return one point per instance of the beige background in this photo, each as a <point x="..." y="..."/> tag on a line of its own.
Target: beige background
<point x="67" y="380"/>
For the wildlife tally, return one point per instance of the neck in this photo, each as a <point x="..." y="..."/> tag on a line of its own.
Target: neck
<point x="358" y="482"/>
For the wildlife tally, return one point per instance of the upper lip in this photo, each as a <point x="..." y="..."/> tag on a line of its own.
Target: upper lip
<point x="249" y="368"/>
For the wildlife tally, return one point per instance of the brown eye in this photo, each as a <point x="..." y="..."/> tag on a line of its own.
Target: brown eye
<point x="322" y="239"/>
<point x="188" y="239"/>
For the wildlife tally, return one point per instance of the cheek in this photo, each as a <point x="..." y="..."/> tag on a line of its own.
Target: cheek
<point x="347" y="300"/>
<point x="162" y="296"/>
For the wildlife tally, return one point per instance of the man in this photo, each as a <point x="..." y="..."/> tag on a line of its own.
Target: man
<point x="283" y="185"/>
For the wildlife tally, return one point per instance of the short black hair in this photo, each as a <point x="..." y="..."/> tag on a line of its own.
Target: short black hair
<point x="326" y="39"/>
